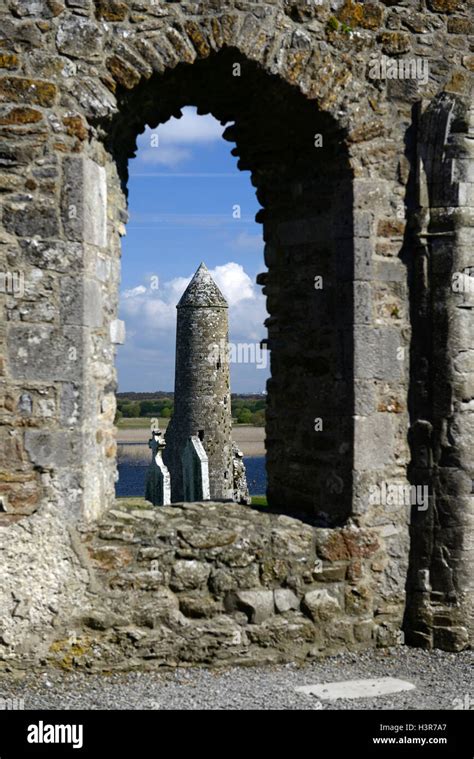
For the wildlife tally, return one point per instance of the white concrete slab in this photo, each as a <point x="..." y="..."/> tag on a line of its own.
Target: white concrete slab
<point x="379" y="686"/>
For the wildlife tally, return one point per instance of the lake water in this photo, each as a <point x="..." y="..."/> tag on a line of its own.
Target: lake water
<point x="132" y="478"/>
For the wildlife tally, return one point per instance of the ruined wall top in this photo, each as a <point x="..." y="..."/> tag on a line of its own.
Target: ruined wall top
<point x="82" y="55"/>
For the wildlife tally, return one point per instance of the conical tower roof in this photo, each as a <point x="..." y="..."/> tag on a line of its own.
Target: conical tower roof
<point x="202" y="292"/>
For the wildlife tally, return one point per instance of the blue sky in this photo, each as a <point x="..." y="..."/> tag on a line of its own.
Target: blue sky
<point x="183" y="191"/>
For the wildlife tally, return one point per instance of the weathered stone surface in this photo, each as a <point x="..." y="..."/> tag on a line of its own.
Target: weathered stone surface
<point x="56" y="256"/>
<point x="33" y="350"/>
<point x="111" y="557"/>
<point x="196" y="606"/>
<point x="111" y="10"/>
<point x="444" y="6"/>
<point x="162" y="606"/>
<point x="285" y="600"/>
<point x="375" y="192"/>
<point x="21" y="116"/>
<point x="208" y="538"/>
<point x="84" y="201"/>
<point x="9" y="61"/>
<point x="394" y="43"/>
<point x="123" y="72"/>
<point x="41" y="9"/>
<point x="26" y="219"/>
<point x="75" y="127"/>
<point x="321" y="605"/>
<point x="188" y="575"/>
<point x="459" y="25"/>
<point x="151" y="607"/>
<point x="31" y="91"/>
<point x="257" y="604"/>
<point x="49" y="450"/>
<point x="78" y="37"/>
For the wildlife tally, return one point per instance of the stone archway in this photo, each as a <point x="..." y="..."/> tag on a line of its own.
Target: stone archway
<point x="355" y="314"/>
<point x="300" y="167"/>
<point x="80" y="84"/>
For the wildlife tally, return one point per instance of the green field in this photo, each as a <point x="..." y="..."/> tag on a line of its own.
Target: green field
<point x="143" y="423"/>
<point x="140" y="503"/>
<point x="259" y="500"/>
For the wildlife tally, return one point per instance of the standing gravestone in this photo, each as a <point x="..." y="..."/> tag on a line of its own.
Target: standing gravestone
<point x="241" y="490"/>
<point x="195" y="465"/>
<point x="158" y="481"/>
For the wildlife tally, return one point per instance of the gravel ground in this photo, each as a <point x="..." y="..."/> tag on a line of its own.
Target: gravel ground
<point x="440" y="678"/>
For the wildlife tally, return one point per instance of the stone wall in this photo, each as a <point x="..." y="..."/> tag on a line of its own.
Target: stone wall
<point x="382" y="354"/>
<point x="214" y="584"/>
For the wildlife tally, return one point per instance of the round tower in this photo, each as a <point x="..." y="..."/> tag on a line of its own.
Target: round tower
<point x="202" y="386"/>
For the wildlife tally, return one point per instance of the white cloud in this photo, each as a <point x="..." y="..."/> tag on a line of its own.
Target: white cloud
<point x="247" y="242"/>
<point x="169" y="156"/>
<point x="140" y="290"/>
<point x="190" y="129"/>
<point x="150" y="317"/>
<point x="235" y="284"/>
<point x="176" y="139"/>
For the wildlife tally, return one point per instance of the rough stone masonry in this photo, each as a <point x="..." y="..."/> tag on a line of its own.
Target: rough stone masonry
<point x="366" y="187"/>
<point x="202" y="405"/>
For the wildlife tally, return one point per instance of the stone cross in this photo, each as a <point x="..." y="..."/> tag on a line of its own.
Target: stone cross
<point x="158" y="482"/>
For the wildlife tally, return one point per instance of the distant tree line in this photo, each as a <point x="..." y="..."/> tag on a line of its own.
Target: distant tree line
<point x="127" y="408"/>
<point x="246" y="409"/>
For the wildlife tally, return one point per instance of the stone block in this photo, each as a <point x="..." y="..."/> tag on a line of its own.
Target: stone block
<point x="363" y="255"/>
<point x="117" y="332"/>
<point x="199" y="605"/>
<point x="364" y="631"/>
<point x="379" y="353"/>
<point x="363" y="224"/>
<point x="257" y="604"/>
<point x="51" y="450"/>
<point x="53" y="256"/>
<point x="31" y="219"/>
<point x="111" y="10"/>
<point x="364" y="397"/>
<point x="81" y="302"/>
<point x="111" y="557"/>
<point x="44" y="353"/>
<point x="362" y="303"/>
<point x="321" y="605"/>
<point x="189" y="575"/>
<point x="84" y="201"/>
<point x="70" y="404"/>
<point x="374" y="441"/>
<point x="78" y="37"/>
<point x="30" y="91"/>
<point x="40" y="9"/>
<point x="285" y="600"/>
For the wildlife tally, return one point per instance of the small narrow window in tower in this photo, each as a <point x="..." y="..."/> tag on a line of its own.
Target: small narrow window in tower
<point x="201" y="435"/>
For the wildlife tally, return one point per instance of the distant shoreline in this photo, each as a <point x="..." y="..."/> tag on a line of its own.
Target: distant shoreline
<point x="251" y="440"/>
